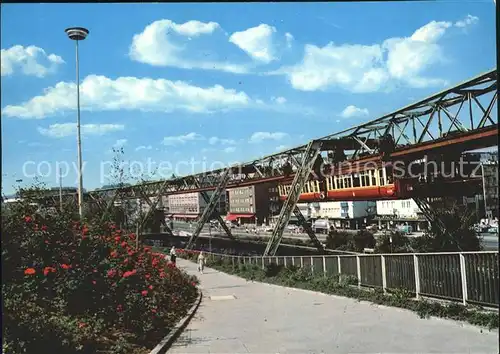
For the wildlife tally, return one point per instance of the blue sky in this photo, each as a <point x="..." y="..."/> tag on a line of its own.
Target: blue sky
<point x="218" y="82"/>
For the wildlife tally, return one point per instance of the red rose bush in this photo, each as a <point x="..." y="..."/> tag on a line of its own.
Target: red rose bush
<point x="70" y="287"/>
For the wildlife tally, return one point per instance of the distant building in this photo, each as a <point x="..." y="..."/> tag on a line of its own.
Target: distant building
<point x="345" y="215"/>
<point x="402" y="212"/>
<point x="190" y="206"/>
<point x="253" y="204"/>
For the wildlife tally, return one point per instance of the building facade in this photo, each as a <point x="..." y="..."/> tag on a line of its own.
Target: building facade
<point x="190" y="206"/>
<point x="253" y="204"/>
<point x="400" y="213"/>
<point x="346" y="215"/>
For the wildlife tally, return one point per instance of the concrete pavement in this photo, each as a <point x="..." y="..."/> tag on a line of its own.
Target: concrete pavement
<point x="237" y="316"/>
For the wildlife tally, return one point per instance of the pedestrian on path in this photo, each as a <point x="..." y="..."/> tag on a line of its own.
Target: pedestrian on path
<point x="201" y="262"/>
<point x="173" y="255"/>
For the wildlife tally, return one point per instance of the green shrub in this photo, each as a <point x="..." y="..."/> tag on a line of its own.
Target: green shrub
<point x="73" y="287"/>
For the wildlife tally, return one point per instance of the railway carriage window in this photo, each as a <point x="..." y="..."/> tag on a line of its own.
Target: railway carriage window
<point x="355" y="181"/>
<point x="373" y="175"/>
<point x="366" y="178"/>
<point x="340" y="183"/>
<point x="348" y="182"/>
<point x="382" y="177"/>
<point x="388" y="171"/>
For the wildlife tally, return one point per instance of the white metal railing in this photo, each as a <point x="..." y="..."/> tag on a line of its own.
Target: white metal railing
<point x="467" y="277"/>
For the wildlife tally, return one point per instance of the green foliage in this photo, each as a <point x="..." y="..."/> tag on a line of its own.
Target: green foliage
<point x="393" y="242"/>
<point x="70" y="286"/>
<point x="344" y="241"/>
<point x="345" y="285"/>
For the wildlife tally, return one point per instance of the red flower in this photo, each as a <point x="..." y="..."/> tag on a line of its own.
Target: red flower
<point x="29" y="271"/>
<point x="27" y="219"/>
<point x="46" y="242"/>
<point x="111" y="273"/>
<point x="65" y="266"/>
<point x="150" y="287"/>
<point x="124" y="244"/>
<point x="81" y="325"/>
<point x="125" y="261"/>
<point x="193" y="283"/>
<point x="48" y="270"/>
<point x="85" y="230"/>
<point x="153" y="310"/>
<point x="129" y="273"/>
<point x="119" y="308"/>
<point x="117" y="238"/>
<point x="94" y="282"/>
<point x="144" y="292"/>
<point x="44" y="227"/>
<point x="148" y="276"/>
<point x="132" y="236"/>
<point x="113" y="254"/>
<point x="95" y="270"/>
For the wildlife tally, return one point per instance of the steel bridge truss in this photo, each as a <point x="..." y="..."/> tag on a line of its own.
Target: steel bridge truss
<point x="461" y="117"/>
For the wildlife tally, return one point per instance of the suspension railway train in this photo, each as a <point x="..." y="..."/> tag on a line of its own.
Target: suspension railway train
<point x="376" y="184"/>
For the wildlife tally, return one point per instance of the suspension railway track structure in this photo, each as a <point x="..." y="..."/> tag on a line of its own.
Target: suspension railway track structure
<point x="355" y="164"/>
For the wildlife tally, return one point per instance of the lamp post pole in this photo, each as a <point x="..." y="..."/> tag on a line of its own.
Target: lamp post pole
<point x="78" y="34"/>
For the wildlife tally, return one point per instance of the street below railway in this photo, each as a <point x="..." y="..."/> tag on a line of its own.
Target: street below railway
<point x="489" y="240"/>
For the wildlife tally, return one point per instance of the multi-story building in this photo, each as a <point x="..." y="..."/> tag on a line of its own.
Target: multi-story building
<point x="190" y="206"/>
<point x="394" y="213"/>
<point x="348" y="215"/>
<point x="253" y="204"/>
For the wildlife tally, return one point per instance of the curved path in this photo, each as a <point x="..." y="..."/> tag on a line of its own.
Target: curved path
<point x="264" y="318"/>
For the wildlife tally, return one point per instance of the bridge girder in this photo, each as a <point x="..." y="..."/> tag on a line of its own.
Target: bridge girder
<point x="442" y="121"/>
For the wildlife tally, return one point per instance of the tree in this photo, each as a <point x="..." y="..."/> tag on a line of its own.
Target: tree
<point x="341" y="240"/>
<point x="393" y="242"/>
<point x="460" y="235"/>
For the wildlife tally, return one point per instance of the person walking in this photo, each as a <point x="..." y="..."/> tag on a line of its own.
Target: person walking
<point x="173" y="255"/>
<point x="201" y="262"/>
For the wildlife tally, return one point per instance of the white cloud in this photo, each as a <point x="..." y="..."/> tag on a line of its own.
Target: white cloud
<point x="257" y="42"/>
<point x="164" y="43"/>
<point x="289" y="39"/>
<point x="181" y="139"/>
<point x="120" y="143"/>
<point x="261" y="136"/>
<point x="368" y="68"/>
<point x="101" y="93"/>
<point x="467" y="21"/>
<point x="215" y="140"/>
<point x="281" y="148"/>
<point x="143" y="147"/>
<point x="30" y="60"/>
<point x="353" y="111"/>
<point x="61" y="130"/>
<point x="279" y="100"/>
<point x="229" y="149"/>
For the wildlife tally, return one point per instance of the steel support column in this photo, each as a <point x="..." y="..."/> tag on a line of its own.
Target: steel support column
<point x="307" y="228"/>
<point x="301" y="176"/>
<point x="152" y="207"/>
<point x="219" y="218"/>
<point x="210" y="208"/>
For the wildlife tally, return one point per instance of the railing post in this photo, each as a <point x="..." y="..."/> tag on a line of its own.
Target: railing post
<point x="293" y="261"/>
<point x="417" y="276"/>
<point x="463" y="274"/>
<point x="324" y="266"/>
<point x="263" y="265"/>
<point x="312" y="265"/>
<point x="384" y="274"/>
<point x="338" y="262"/>
<point x="301" y="262"/>
<point x="284" y="261"/>
<point x="358" y="268"/>
<point x="232" y="259"/>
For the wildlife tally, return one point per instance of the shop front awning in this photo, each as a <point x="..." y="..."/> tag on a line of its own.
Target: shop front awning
<point x="234" y="217"/>
<point x="187" y="216"/>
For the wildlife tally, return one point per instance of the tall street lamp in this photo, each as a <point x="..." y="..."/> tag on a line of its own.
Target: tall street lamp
<point x="78" y="34"/>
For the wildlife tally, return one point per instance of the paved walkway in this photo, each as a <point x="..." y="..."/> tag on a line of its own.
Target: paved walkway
<point x="271" y="319"/>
